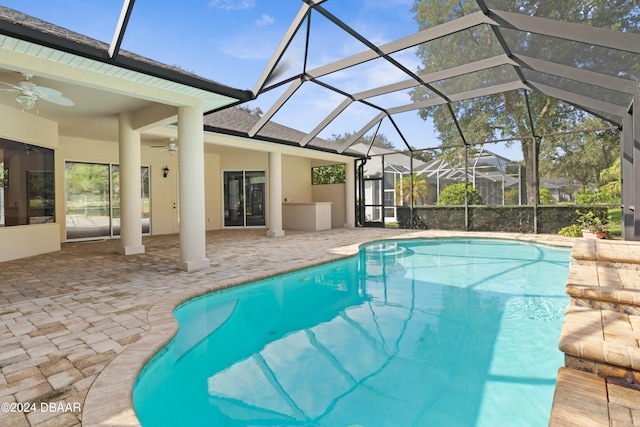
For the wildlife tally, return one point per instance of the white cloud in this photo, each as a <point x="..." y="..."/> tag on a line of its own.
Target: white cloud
<point x="246" y="48"/>
<point x="232" y="4"/>
<point x="264" y="20"/>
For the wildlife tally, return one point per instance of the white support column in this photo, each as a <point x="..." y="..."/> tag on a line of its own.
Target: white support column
<point x="130" y="188"/>
<point x="350" y="194"/>
<point x="275" y="195"/>
<point x="193" y="241"/>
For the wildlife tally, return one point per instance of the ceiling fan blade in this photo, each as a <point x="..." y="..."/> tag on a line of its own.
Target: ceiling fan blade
<point x="60" y="100"/>
<point x="12" y="86"/>
<point x="45" y="91"/>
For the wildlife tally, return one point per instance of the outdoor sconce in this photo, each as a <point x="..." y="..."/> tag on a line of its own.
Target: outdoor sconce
<point x="165" y="171"/>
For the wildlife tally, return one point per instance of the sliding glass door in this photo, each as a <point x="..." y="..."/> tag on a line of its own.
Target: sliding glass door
<point x="87" y="200"/>
<point x="92" y="200"/>
<point x="244" y="198"/>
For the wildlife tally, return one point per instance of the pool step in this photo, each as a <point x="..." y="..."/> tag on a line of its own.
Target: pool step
<point x="611" y="252"/>
<point x="608" y="288"/>
<point x="602" y="342"/>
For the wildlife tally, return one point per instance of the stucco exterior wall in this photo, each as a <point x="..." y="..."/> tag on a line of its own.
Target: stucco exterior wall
<point x="296" y="179"/>
<point x="28" y="240"/>
<point x="27" y="127"/>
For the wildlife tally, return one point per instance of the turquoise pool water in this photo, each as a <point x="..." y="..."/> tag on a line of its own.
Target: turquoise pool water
<point x="446" y="332"/>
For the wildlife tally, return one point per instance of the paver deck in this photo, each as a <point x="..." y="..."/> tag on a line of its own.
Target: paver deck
<point x="77" y="325"/>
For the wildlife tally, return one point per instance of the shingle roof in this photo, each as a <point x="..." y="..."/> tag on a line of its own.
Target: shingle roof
<point x="240" y="122"/>
<point x="25" y="27"/>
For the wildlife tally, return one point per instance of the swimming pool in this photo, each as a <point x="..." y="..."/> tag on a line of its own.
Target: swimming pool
<point x="442" y="332"/>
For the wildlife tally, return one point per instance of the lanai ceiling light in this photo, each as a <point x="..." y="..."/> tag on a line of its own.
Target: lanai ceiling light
<point x="30" y="93"/>
<point x="28" y="100"/>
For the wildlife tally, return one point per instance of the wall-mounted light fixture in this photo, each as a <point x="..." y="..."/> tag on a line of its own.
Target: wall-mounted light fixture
<point x="165" y="171"/>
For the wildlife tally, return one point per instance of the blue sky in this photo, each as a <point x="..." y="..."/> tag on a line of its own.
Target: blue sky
<point x="231" y="42"/>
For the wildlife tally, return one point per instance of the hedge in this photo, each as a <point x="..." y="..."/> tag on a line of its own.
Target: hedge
<point x="515" y="219"/>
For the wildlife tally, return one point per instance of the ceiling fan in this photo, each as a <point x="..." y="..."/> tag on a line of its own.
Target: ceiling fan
<point x="171" y="146"/>
<point x="30" y="93"/>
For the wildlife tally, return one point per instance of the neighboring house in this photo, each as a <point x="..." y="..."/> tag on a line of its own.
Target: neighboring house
<point x="491" y="174"/>
<point x="561" y="189"/>
<point x="102" y="162"/>
<point x="396" y="166"/>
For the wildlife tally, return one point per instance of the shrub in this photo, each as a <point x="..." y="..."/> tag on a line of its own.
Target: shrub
<point x="573" y="230"/>
<point x="512" y="196"/>
<point x="545" y="196"/>
<point x="585" y="196"/>
<point x="453" y="195"/>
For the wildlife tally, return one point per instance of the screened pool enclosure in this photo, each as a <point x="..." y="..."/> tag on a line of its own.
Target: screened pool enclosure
<point x="496" y="94"/>
<point x="489" y="93"/>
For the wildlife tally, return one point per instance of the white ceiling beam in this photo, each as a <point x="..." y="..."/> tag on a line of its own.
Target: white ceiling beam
<point x="581" y="100"/>
<point x="293" y="87"/>
<point x="577" y="74"/>
<point x="424" y="36"/>
<point x="490" y="90"/>
<point x="335" y="113"/>
<point x="118" y="35"/>
<point x="361" y="132"/>
<point x="618" y="40"/>
<point x="282" y="47"/>
<point x="437" y="76"/>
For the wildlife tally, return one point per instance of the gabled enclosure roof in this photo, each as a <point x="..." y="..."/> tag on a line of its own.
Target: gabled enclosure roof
<point x="586" y="54"/>
<point x="572" y="57"/>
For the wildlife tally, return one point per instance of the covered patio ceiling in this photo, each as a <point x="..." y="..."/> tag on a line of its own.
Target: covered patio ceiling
<point x="582" y="63"/>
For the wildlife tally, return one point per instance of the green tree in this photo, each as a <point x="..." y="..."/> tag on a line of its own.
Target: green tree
<point x="380" y="140"/>
<point x="332" y="174"/>
<point x="423" y="155"/>
<point x="582" y="156"/>
<point x="453" y="195"/>
<point x="257" y="111"/>
<point x="421" y="190"/>
<point x="611" y="178"/>
<point x="505" y="115"/>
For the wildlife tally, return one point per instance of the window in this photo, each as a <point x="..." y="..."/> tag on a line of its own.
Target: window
<point x="333" y="174"/>
<point x="27" y="187"/>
